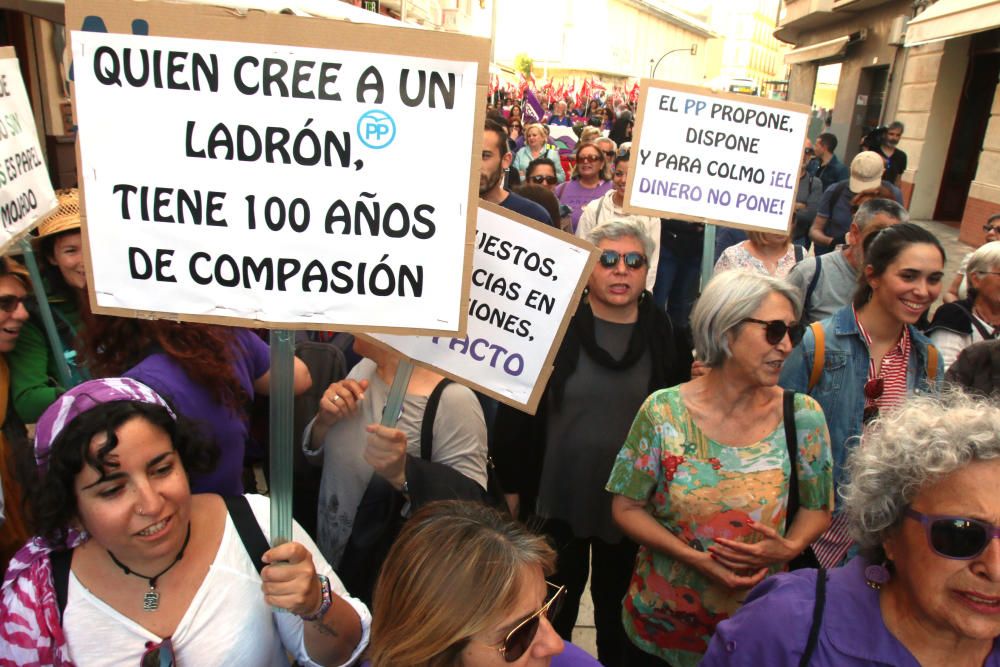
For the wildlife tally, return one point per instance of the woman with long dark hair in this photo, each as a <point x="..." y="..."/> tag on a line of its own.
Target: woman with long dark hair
<point x="873" y="356"/>
<point x="209" y="372"/>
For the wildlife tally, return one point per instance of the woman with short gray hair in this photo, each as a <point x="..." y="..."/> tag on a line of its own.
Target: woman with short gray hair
<point x="921" y="502"/>
<point x="961" y="323"/>
<point x="722" y="480"/>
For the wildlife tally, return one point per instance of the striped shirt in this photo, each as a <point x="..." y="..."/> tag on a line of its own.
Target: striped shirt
<point x="892" y="371"/>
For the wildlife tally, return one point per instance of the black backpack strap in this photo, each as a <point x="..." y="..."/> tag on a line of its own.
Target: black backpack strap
<point x="812" y="285"/>
<point x="791" y="441"/>
<point x="61" y="561"/>
<point x="249" y="530"/>
<point x="800" y="252"/>
<point x="817" y="620"/>
<point x="427" y="425"/>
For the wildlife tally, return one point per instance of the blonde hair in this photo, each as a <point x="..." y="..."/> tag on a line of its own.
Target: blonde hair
<point x="455" y="571"/>
<point x="536" y="127"/>
<point x="590" y="133"/>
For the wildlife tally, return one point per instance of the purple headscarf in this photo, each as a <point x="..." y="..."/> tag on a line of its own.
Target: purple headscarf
<point x="30" y="629"/>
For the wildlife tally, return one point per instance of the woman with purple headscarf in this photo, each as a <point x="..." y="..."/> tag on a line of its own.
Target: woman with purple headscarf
<point x="130" y="567"/>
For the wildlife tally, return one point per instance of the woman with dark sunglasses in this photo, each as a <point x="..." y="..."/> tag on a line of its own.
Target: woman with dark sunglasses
<point x="922" y="504"/>
<point x="464" y="586"/>
<point x="130" y="568"/>
<point x="610" y="207"/>
<point x="704" y="480"/>
<point x="869" y="356"/>
<point x="586" y="184"/>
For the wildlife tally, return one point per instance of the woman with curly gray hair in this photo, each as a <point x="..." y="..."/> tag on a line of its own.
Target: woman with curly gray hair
<point x="923" y="506"/>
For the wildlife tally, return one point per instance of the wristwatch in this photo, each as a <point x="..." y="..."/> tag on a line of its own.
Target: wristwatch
<point x="324" y="586"/>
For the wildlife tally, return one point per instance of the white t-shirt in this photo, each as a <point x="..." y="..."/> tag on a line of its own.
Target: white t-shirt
<point x="226" y="624"/>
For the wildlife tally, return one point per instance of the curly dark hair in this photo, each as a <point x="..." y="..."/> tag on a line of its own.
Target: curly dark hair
<point x="112" y="345"/>
<point x="50" y="498"/>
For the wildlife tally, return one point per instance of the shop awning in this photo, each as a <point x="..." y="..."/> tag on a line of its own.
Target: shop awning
<point x="946" y="19"/>
<point x="830" y="49"/>
<point x="52" y="10"/>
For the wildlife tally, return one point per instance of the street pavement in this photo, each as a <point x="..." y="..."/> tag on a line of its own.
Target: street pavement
<point x="584" y="635"/>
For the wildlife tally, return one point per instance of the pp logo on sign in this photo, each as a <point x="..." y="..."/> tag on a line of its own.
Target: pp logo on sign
<point x="376" y="129"/>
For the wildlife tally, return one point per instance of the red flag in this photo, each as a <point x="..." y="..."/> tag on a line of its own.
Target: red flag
<point x="596" y="85"/>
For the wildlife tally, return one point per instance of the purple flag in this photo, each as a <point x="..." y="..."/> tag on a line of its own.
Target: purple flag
<point x="532" y="110"/>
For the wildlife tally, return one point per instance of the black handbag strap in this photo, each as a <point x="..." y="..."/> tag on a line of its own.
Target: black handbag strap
<point x="427" y="425"/>
<point x="791" y="441"/>
<point x="61" y="561"/>
<point x="248" y="529"/>
<point x="817" y="619"/>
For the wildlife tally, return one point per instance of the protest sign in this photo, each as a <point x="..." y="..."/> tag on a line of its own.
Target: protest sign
<point x="715" y="157"/>
<point x="527" y="279"/>
<point x="238" y="170"/>
<point x="26" y="194"/>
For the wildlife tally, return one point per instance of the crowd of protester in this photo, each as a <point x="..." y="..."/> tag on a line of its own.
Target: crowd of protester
<point x="796" y="464"/>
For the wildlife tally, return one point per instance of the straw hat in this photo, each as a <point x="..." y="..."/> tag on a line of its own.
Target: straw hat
<point x="65" y="218"/>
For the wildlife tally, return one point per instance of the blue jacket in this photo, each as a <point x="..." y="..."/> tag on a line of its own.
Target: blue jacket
<point x="840" y="390"/>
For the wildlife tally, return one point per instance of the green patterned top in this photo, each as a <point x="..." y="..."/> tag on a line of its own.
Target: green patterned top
<point x="699" y="490"/>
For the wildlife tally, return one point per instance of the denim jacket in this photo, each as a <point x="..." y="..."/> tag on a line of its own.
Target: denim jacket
<point x="840" y="390"/>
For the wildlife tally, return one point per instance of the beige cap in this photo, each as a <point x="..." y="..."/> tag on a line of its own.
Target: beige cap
<point x="66" y="217"/>
<point x="866" y="171"/>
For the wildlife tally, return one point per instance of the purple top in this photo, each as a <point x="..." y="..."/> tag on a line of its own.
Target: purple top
<point x="576" y="196"/>
<point x="773" y="625"/>
<point x="229" y="429"/>
<point x="572" y="656"/>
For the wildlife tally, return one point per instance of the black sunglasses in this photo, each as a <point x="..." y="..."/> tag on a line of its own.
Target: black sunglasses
<point x="551" y="180"/>
<point x="10" y="302"/>
<point x="955" y="537"/>
<point x="988" y="227"/>
<point x="520" y="638"/>
<point x="633" y="260"/>
<point x="775" y="330"/>
<point x="158" y="655"/>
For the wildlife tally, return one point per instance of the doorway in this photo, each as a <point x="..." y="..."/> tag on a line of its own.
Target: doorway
<point x="967" y="136"/>
<point x="872" y="86"/>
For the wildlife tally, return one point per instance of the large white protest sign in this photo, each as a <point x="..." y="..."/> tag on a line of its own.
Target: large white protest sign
<point x="256" y="178"/>
<point x="26" y="194"/>
<point x="526" y="282"/>
<point x="728" y="159"/>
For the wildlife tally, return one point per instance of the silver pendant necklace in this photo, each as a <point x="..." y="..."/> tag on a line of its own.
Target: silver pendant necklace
<point x="151" y="600"/>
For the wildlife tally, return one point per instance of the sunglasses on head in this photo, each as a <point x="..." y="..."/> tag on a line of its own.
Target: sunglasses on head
<point x="633" y="260"/>
<point x="158" y="655"/>
<point x="520" y="638"/>
<point x="955" y="537"/>
<point x="10" y="302"/>
<point x="775" y="330"/>
<point x="551" y="180"/>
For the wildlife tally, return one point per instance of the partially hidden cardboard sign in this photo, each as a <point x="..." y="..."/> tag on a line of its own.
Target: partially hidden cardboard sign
<point x="527" y="279"/>
<point x="260" y="169"/>
<point x="26" y="194"/>
<point x="705" y="156"/>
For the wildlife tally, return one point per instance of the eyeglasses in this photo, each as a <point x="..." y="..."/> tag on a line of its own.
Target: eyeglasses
<point x="158" y="655"/>
<point x="10" y="302"/>
<point x="808" y="151"/>
<point x="988" y="228"/>
<point x="520" y="638"/>
<point x="610" y="154"/>
<point x="775" y="330"/>
<point x="633" y="260"/>
<point x="955" y="537"/>
<point x="590" y="158"/>
<point x="874" y="389"/>
<point x="551" y="180"/>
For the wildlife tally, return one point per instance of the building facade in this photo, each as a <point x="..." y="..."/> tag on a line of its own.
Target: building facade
<point x="931" y="65"/>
